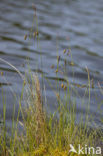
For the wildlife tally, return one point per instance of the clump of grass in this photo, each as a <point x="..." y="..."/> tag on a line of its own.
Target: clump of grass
<point x="45" y="134"/>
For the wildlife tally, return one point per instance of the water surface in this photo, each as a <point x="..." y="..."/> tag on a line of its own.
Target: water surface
<point x="79" y="21"/>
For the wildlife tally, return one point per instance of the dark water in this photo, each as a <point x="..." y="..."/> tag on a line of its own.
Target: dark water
<point x="79" y="20"/>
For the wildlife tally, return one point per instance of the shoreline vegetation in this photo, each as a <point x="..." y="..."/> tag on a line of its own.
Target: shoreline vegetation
<point x="49" y="134"/>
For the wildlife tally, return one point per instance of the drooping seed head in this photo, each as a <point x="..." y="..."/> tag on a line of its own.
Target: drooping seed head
<point x="65" y="87"/>
<point x="64" y="51"/>
<point x="62" y="85"/>
<point x="25" y="37"/>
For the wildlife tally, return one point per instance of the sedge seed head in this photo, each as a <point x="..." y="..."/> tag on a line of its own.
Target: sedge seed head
<point x="1" y="73"/>
<point x="64" y="51"/>
<point x="37" y="33"/>
<point x="92" y="81"/>
<point x="62" y="85"/>
<point x="58" y="58"/>
<point x="24" y="82"/>
<point x="34" y="34"/>
<point x="25" y="37"/>
<point x="57" y="95"/>
<point x="65" y="87"/>
<point x="56" y="70"/>
<point x="72" y="63"/>
<point x="52" y="66"/>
